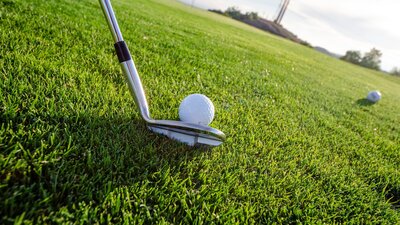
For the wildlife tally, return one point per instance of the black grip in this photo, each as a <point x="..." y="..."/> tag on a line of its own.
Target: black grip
<point x="122" y="51"/>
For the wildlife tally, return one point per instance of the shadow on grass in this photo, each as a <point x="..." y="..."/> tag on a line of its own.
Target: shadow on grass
<point x="364" y="102"/>
<point x="82" y="159"/>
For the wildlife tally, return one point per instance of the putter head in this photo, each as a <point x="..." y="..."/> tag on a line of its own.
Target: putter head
<point x="190" y="134"/>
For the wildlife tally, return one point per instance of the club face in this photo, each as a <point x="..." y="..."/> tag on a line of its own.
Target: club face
<point x="190" y="134"/>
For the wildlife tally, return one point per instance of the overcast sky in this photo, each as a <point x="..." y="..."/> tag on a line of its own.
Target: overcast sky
<point x="338" y="25"/>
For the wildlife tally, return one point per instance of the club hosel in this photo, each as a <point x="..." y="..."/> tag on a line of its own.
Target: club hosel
<point x="136" y="88"/>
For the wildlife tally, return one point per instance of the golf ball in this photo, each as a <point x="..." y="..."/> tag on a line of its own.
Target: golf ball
<point x="197" y="109"/>
<point x="374" y="96"/>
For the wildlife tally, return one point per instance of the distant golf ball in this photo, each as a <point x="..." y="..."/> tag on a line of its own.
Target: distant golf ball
<point x="197" y="109"/>
<point x="374" y="96"/>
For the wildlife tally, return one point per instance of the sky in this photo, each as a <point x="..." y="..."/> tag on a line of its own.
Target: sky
<point x="338" y="25"/>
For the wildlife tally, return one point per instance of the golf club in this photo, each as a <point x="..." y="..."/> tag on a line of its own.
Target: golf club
<point x="191" y="134"/>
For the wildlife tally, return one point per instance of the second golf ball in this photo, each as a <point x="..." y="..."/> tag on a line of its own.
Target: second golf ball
<point x="374" y="96"/>
<point x="197" y="109"/>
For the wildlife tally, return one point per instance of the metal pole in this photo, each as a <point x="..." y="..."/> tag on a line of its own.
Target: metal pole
<point x="284" y="10"/>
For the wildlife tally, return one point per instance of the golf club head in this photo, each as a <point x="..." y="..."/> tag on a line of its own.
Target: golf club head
<point x="190" y="134"/>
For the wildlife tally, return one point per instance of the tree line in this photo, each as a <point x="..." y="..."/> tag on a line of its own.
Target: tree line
<point x="371" y="60"/>
<point x="235" y="13"/>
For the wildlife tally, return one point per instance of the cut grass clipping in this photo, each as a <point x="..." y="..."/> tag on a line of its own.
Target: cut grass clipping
<point x="302" y="146"/>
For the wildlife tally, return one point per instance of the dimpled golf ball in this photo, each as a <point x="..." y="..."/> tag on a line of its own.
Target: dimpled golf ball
<point x="374" y="96"/>
<point x="196" y="109"/>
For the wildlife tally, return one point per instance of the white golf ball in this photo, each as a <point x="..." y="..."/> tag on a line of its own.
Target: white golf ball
<point x="374" y="96"/>
<point x="197" y="109"/>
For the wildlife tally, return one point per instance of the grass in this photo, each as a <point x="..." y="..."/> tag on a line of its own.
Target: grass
<point x="302" y="146"/>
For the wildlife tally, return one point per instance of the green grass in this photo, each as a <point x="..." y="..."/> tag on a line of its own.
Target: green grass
<point x="302" y="146"/>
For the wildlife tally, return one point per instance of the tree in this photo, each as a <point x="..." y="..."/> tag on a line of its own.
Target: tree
<point x="252" y="15"/>
<point x="352" y="56"/>
<point x="372" y="59"/>
<point x="233" y="12"/>
<point x="395" y="71"/>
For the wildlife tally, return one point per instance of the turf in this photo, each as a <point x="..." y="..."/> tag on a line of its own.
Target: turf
<point x="303" y="145"/>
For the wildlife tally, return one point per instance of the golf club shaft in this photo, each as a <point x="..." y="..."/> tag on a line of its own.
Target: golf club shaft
<point x="125" y="59"/>
<point x="111" y="20"/>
